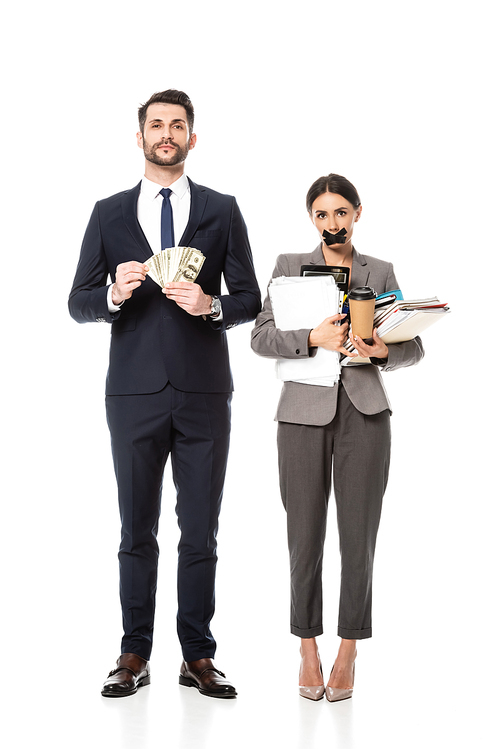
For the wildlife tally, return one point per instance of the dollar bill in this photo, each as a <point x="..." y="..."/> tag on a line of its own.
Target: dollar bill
<point x="154" y="265"/>
<point x="175" y="264"/>
<point x="190" y="267"/>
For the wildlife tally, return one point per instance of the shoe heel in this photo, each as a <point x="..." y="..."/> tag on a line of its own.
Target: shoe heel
<point x="185" y="682"/>
<point x="144" y="682"/>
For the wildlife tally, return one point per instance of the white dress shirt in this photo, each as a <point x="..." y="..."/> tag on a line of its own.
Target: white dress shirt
<point x="149" y="210"/>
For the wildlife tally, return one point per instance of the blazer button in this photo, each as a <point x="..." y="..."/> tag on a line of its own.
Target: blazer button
<point x="297" y="351"/>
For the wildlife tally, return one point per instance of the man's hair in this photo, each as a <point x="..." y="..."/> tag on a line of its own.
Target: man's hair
<point x="170" y="96"/>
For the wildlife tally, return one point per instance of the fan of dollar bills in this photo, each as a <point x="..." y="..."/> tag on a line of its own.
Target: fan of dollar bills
<point x="175" y="264"/>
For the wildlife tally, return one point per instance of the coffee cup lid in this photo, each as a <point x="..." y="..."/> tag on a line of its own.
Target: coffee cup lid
<point x="362" y="293"/>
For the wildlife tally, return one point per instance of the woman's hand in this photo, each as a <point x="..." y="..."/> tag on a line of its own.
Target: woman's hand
<point x="378" y="350"/>
<point x="330" y="336"/>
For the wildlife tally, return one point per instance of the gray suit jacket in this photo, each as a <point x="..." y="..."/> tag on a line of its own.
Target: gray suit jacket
<point x="313" y="404"/>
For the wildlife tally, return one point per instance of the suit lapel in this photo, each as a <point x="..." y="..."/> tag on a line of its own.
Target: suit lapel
<point x="129" y="211"/>
<point x="196" y="211"/>
<point x="360" y="274"/>
<point x="317" y="257"/>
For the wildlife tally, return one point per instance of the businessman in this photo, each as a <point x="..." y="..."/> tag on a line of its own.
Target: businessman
<point x="169" y="385"/>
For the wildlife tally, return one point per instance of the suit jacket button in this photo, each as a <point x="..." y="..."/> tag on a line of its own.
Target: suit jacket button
<point x="297" y="351"/>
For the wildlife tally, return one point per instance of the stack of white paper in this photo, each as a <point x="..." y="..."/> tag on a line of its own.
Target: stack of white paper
<point x="300" y="302"/>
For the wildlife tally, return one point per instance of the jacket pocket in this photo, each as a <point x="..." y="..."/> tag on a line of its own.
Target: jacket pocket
<point x="124" y="323"/>
<point x="208" y="233"/>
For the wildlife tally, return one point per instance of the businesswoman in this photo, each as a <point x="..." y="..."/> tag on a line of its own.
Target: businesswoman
<point x="345" y="426"/>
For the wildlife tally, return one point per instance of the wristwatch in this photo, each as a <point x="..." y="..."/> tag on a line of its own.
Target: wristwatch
<point x="216" y="307"/>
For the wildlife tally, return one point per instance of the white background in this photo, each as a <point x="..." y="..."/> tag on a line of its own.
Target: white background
<point x="401" y="99"/>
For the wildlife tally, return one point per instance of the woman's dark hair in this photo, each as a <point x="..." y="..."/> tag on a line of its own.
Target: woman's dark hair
<point x="332" y="183"/>
<point x="171" y="96"/>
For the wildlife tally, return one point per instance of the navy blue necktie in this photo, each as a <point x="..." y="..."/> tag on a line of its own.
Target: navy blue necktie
<point x="167" y="220"/>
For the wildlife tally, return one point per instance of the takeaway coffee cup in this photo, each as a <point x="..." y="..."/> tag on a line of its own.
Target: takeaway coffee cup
<point x="361" y="308"/>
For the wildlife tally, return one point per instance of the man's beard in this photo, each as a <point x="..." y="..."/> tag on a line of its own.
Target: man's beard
<point x="176" y="157"/>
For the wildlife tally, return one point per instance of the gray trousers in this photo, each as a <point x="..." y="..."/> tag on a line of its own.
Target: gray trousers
<point x="359" y="447"/>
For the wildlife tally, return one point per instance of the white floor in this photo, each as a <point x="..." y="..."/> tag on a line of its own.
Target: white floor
<point x="423" y="697"/>
<point x="407" y="712"/>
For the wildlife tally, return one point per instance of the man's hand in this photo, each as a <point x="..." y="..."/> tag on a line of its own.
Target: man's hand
<point x="330" y="336"/>
<point x="129" y="276"/>
<point x="190" y="297"/>
<point x="378" y="350"/>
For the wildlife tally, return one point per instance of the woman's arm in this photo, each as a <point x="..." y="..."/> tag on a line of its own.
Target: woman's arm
<point x="396" y="355"/>
<point x="393" y="355"/>
<point x="269" y="341"/>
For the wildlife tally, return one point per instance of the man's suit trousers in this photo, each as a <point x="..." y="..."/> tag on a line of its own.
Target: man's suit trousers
<point x="359" y="447"/>
<point x="194" y="429"/>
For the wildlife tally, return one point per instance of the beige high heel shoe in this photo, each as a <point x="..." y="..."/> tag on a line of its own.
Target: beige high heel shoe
<point x="336" y="695"/>
<point x="313" y="693"/>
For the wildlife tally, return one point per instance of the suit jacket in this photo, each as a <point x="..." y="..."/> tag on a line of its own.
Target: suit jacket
<point x="313" y="404"/>
<point x="153" y="340"/>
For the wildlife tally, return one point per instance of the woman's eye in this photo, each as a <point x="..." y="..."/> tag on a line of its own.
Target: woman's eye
<point x="341" y="213"/>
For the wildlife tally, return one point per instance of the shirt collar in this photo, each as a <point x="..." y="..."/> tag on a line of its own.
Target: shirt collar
<point x="151" y="189"/>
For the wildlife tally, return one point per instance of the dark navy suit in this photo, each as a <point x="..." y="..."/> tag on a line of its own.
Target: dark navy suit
<point x="168" y="391"/>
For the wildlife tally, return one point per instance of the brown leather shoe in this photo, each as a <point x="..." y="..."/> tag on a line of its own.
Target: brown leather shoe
<point x="131" y="672"/>
<point x="206" y="678"/>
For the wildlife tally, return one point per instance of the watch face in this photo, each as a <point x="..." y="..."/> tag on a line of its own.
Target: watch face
<point x="216" y="306"/>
